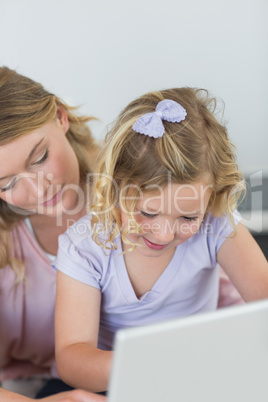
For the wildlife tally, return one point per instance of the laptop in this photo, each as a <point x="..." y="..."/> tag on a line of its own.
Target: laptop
<point x="219" y="356"/>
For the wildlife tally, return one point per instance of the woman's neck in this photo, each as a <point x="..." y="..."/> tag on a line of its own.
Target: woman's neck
<point x="48" y="229"/>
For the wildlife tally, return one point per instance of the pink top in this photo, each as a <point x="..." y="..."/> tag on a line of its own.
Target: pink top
<point x="27" y="311"/>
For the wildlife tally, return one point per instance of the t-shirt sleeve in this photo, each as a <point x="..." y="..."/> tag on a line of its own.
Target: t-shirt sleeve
<point x="225" y="228"/>
<point x="79" y="261"/>
<point x="215" y="232"/>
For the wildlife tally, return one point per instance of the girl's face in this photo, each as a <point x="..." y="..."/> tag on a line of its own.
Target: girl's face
<point x="167" y="218"/>
<point x="39" y="171"/>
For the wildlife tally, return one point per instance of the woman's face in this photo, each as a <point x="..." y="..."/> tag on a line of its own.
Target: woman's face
<point x="39" y="171"/>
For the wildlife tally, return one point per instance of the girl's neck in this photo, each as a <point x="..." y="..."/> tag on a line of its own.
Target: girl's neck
<point x="144" y="271"/>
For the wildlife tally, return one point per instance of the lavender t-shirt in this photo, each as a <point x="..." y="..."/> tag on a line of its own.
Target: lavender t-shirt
<point x="189" y="284"/>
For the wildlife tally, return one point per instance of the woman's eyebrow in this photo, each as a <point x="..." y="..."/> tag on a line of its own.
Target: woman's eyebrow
<point x="28" y="157"/>
<point x="34" y="149"/>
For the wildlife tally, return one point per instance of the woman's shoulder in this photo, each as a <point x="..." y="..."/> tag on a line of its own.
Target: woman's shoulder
<point x="22" y="238"/>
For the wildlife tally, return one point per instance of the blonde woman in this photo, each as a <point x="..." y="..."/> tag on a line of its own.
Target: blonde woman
<point x="46" y="153"/>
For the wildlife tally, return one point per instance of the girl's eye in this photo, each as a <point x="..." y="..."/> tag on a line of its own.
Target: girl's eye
<point x="9" y="186"/>
<point x="189" y="218"/>
<point x="148" y="215"/>
<point x="41" y="160"/>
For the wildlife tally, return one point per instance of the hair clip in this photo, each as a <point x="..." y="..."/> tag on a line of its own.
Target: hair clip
<point x="151" y="123"/>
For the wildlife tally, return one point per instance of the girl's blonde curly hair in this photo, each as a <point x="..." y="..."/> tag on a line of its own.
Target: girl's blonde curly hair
<point x="196" y="146"/>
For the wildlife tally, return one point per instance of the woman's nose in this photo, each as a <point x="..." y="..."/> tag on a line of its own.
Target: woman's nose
<point x="36" y="183"/>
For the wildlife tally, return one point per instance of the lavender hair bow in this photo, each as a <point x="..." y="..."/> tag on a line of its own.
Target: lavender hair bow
<point x="151" y="123"/>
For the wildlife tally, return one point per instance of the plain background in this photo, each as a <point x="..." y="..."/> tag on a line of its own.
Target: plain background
<point x="102" y="54"/>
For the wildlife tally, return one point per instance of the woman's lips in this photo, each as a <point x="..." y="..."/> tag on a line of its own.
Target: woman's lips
<point x="54" y="200"/>
<point x="154" y="246"/>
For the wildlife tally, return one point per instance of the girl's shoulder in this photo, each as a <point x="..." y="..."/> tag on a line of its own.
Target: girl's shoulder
<point x="80" y="230"/>
<point x="218" y="224"/>
<point x="215" y="230"/>
<point x="80" y="234"/>
<point x="79" y="237"/>
<point x="80" y="257"/>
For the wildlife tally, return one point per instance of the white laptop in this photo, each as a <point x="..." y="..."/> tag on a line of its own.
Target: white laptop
<point x="213" y="357"/>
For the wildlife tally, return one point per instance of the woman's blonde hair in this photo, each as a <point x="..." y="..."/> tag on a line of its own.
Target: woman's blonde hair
<point x="188" y="150"/>
<point x="24" y="107"/>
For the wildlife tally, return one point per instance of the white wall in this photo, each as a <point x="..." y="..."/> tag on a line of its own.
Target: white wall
<point x="104" y="53"/>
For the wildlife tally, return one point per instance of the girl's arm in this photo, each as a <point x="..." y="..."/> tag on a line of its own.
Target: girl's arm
<point x="78" y="360"/>
<point x="244" y="262"/>
<point x="70" y="396"/>
<point x="228" y="294"/>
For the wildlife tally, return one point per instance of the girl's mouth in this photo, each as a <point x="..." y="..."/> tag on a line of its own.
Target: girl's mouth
<point x="154" y="246"/>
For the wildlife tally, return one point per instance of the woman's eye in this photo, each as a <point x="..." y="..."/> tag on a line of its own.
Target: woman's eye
<point x="148" y="215"/>
<point x="42" y="159"/>
<point x="9" y="186"/>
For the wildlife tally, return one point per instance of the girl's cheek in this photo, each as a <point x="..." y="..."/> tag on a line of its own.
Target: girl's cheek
<point x="146" y="227"/>
<point x="187" y="230"/>
<point x="143" y="223"/>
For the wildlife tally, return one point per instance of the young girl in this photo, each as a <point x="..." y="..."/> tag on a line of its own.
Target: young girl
<point x="46" y="152"/>
<point x="163" y="217"/>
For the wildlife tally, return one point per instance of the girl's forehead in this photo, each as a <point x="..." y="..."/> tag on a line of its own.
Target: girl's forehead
<point x="177" y="191"/>
<point x="176" y="198"/>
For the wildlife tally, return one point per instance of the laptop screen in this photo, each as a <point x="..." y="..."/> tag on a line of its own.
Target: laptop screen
<point x="220" y="356"/>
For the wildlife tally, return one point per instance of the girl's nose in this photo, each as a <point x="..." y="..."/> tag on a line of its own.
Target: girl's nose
<point x="166" y="232"/>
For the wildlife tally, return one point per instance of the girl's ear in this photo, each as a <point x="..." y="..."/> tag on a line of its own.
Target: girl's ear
<point x="62" y="119"/>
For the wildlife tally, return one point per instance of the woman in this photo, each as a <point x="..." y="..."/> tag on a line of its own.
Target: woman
<point x="47" y="154"/>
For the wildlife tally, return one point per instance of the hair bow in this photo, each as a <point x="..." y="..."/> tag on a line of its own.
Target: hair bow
<point x="151" y="123"/>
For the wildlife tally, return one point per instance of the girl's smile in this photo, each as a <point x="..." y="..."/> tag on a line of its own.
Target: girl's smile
<point x="154" y="246"/>
<point x="166" y="219"/>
